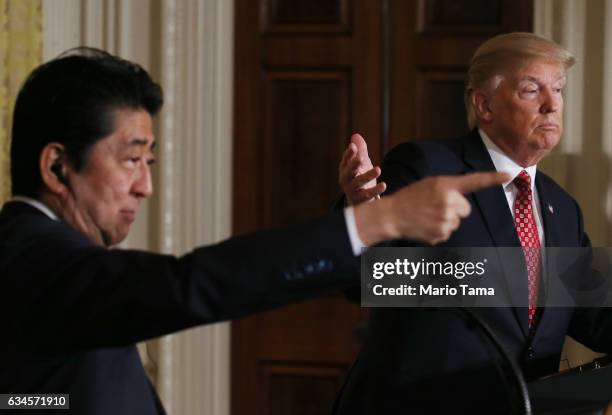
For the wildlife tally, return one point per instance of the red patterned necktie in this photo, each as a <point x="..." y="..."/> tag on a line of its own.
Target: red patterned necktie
<point x="527" y="230"/>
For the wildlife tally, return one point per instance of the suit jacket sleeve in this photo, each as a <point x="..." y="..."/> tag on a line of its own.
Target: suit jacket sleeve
<point x="591" y="326"/>
<point x="63" y="292"/>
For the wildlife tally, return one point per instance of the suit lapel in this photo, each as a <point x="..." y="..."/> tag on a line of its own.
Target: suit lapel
<point x="493" y="206"/>
<point x="550" y="287"/>
<point x="550" y="225"/>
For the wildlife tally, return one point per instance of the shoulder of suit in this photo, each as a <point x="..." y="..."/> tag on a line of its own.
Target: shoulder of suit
<point x="431" y="157"/>
<point x="25" y="223"/>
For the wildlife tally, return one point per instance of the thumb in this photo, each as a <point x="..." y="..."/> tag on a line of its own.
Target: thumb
<point x="362" y="146"/>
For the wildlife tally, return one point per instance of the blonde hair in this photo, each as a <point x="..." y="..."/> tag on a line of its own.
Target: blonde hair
<point x="494" y="57"/>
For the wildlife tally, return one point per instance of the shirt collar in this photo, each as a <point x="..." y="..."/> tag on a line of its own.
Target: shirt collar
<point x="504" y="163"/>
<point x="36" y="204"/>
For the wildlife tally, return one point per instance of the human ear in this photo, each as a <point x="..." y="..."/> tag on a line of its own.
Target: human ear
<point x="52" y="164"/>
<point x="482" y="106"/>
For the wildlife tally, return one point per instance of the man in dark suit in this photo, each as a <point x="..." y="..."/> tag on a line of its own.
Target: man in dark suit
<point x="71" y="308"/>
<point x="430" y="361"/>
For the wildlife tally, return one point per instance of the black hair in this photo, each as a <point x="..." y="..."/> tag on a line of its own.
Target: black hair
<point x="72" y="100"/>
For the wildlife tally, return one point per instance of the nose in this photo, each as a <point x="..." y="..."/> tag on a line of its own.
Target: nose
<point x="551" y="101"/>
<point x="143" y="185"/>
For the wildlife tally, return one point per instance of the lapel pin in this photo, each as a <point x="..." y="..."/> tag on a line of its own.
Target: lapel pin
<point x="551" y="208"/>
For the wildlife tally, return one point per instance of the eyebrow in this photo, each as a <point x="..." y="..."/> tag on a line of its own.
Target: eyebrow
<point x="538" y="80"/>
<point x="137" y="142"/>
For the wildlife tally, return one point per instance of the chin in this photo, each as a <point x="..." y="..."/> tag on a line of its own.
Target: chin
<point x="120" y="238"/>
<point x="548" y="142"/>
<point x="115" y="238"/>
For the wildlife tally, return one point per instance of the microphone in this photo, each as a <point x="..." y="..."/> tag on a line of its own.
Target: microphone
<point x="490" y="338"/>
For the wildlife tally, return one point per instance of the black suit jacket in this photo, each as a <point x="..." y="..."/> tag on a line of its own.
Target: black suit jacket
<point x="432" y="361"/>
<point x="71" y="311"/>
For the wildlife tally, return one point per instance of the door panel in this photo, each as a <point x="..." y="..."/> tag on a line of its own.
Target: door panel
<point x="304" y="136"/>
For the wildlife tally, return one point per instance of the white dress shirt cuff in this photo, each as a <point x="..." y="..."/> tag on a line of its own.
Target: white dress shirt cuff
<point x="356" y="243"/>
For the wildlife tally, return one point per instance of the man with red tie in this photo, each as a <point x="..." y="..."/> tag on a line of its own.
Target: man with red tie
<point x="411" y="357"/>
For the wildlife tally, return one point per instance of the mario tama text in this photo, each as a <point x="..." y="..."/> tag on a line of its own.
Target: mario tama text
<point x="432" y="290"/>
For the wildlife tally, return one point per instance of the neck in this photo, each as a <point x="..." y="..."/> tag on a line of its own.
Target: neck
<point x="52" y="203"/>
<point x="64" y="206"/>
<point x="524" y="157"/>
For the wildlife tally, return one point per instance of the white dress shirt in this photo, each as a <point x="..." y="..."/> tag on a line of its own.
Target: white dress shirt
<point x="503" y="163"/>
<point x="356" y="243"/>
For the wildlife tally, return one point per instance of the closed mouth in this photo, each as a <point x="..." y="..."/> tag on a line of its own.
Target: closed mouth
<point x="129" y="214"/>
<point x="549" y="126"/>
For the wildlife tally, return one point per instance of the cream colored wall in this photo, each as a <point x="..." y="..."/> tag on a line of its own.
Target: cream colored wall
<point x="20" y="51"/>
<point x="582" y="162"/>
<point x="187" y="45"/>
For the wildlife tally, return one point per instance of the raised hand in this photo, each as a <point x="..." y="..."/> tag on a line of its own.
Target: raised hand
<point x="356" y="174"/>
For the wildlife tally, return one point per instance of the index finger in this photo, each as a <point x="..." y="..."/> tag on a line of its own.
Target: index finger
<point x="476" y="181"/>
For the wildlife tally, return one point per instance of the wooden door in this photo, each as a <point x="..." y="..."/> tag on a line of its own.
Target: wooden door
<point x="308" y="73"/>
